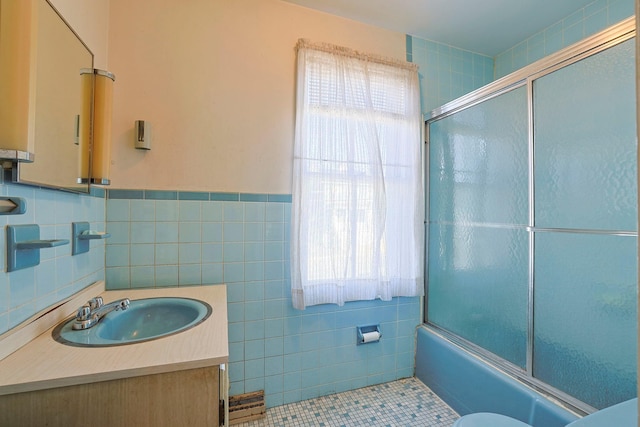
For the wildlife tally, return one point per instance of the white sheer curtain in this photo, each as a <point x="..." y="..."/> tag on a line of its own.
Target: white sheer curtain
<point x="358" y="209"/>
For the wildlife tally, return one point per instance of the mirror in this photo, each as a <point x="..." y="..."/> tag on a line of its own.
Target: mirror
<point x="60" y="56"/>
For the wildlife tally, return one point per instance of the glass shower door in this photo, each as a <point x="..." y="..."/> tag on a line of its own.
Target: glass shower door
<point x="532" y="255"/>
<point x="585" y="314"/>
<point x="478" y="241"/>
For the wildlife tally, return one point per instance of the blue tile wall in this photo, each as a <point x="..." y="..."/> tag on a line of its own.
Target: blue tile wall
<point x="243" y="240"/>
<point x="583" y="23"/>
<point x="24" y="293"/>
<point x="446" y="72"/>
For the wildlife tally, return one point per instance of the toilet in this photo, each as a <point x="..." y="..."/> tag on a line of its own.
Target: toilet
<point x="487" y="419"/>
<point x="623" y="414"/>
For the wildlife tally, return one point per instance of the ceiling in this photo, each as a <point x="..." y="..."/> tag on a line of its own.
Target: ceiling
<point x="488" y="27"/>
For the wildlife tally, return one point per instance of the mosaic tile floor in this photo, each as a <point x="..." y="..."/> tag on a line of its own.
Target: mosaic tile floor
<point x="406" y="402"/>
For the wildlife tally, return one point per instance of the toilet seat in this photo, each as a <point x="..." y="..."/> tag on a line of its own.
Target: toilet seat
<point x="486" y="419"/>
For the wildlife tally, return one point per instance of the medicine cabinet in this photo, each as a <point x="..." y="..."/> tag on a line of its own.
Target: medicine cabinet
<point x="44" y="122"/>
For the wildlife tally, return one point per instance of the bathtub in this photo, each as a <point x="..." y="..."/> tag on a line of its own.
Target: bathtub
<point x="469" y="385"/>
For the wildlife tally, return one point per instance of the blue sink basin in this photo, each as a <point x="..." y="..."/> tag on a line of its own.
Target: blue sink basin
<point x="145" y="319"/>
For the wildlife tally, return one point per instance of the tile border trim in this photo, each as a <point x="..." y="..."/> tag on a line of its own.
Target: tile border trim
<point x="131" y="194"/>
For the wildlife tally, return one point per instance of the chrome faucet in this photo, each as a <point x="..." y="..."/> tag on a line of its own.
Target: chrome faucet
<point x="95" y="309"/>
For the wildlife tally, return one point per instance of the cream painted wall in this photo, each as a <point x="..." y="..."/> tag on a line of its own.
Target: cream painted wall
<point x="216" y="79"/>
<point x="90" y="20"/>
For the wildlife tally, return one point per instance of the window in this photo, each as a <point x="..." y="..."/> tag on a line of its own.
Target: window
<point x="358" y="210"/>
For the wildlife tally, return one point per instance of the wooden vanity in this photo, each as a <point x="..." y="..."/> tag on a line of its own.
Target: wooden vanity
<point x="171" y="381"/>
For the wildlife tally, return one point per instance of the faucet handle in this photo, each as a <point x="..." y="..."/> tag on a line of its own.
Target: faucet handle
<point x="84" y="313"/>
<point x="95" y="303"/>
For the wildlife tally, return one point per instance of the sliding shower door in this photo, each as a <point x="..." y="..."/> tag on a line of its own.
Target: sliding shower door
<point x="478" y="241"/>
<point x="586" y="228"/>
<point x="532" y="254"/>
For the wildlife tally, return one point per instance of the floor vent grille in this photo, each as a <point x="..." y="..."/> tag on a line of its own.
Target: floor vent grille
<point x="246" y="407"/>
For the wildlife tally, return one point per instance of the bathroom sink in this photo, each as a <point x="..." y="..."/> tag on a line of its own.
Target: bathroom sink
<point x="144" y="320"/>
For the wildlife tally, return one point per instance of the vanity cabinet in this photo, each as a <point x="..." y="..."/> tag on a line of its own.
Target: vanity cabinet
<point x="181" y="398"/>
<point x="177" y="380"/>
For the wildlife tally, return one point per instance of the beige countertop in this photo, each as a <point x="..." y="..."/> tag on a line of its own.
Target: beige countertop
<point x="45" y="363"/>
